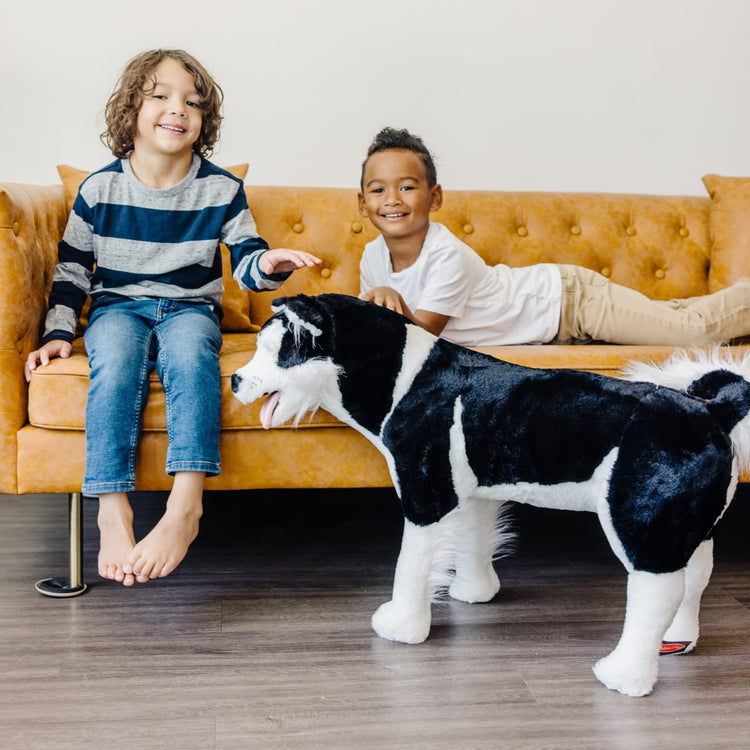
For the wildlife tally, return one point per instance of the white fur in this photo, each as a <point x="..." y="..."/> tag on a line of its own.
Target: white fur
<point x="652" y="602"/>
<point x="418" y="346"/>
<point x="303" y="389"/>
<point x="686" y="625"/>
<point x="482" y="536"/>
<point x="407" y="616"/>
<point x="688" y="365"/>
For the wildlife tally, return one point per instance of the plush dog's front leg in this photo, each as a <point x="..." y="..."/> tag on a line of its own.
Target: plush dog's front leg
<point x="407" y="617"/>
<point x="653" y="600"/>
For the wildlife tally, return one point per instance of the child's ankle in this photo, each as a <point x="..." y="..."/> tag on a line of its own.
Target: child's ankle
<point x="187" y="494"/>
<point x="114" y="505"/>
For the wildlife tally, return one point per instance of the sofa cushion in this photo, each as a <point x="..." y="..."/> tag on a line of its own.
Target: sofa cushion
<point x="729" y="229"/>
<point x="58" y="392"/>
<point x="235" y="302"/>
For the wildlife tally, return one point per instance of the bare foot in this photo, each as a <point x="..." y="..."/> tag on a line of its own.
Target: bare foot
<point x="164" y="547"/>
<point x="115" y="521"/>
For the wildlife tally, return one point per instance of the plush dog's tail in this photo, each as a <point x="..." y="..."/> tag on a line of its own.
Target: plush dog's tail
<point x="721" y="379"/>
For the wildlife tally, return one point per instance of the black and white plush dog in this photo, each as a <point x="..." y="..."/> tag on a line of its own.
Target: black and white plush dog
<point x="461" y="431"/>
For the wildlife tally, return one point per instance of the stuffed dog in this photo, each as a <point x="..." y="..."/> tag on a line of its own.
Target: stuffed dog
<point x="657" y="458"/>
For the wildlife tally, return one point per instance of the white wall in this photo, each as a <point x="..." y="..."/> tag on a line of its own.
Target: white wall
<point x="602" y="95"/>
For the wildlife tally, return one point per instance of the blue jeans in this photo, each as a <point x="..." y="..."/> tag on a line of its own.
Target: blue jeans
<point x="125" y="341"/>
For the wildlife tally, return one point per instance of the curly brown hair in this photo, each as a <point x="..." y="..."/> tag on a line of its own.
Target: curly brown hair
<point x="137" y="80"/>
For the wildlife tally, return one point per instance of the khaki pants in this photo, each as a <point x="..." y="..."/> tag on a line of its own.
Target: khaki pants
<point x="593" y="308"/>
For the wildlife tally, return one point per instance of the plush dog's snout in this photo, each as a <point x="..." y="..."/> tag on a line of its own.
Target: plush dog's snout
<point x="236" y="382"/>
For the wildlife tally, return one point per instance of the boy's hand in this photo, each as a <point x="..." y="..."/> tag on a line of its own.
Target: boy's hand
<point x="384" y="296"/>
<point x="391" y="299"/>
<point x="282" y="260"/>
<point x="42" y="356"/>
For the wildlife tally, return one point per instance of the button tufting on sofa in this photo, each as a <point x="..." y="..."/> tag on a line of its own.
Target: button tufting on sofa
<point x="468" y="229"/>
<point x="325" y="273"/>
<point x="684" y="232"/>
<point x="631" y="231"/>
<point x="357" y="227"/>
<point x="575" y="230"/>
<point x="522" y="232"/>
<point x="298" y="228"/>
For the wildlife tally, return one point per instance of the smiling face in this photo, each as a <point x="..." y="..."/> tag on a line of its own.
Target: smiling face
<point x="170" y="117"/>
<point x="397" y="197"/>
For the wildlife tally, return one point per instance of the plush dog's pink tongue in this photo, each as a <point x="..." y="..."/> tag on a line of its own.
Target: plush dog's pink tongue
<point x="266" y="411"/>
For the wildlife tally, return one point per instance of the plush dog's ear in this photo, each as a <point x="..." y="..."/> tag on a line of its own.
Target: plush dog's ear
<point x="279" y="304"/>
<point x="302" y="311"/>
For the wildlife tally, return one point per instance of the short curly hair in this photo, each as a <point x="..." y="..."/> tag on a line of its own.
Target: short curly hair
<point x="393" y="138"/>
<point x="137" y="80"/>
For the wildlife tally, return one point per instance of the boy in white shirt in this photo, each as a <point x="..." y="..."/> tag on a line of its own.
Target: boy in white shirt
<point x="421" y="270"/>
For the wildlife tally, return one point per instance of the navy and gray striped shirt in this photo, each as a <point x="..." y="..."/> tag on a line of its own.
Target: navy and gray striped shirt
<point x="124" y="238"/>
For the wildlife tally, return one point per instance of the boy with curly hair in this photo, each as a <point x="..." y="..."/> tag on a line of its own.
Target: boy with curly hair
<point x="143" y="241"/>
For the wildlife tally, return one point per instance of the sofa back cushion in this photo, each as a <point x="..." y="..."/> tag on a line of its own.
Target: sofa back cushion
<point x="729" y="229"/>
<point x="659" y="245"/>
<point x="656" y="244"/>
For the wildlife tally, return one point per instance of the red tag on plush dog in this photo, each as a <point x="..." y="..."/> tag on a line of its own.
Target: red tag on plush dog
<point x="673" y="647"/>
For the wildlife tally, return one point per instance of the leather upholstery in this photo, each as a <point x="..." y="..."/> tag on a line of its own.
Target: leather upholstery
<point x="661" y="245"/>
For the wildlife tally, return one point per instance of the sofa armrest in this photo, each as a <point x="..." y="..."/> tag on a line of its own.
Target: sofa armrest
<point x="32" y="219"/>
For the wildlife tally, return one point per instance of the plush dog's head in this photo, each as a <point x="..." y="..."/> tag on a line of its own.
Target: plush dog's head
<point x="331" y="351"/>
<point x="291" y="366"/>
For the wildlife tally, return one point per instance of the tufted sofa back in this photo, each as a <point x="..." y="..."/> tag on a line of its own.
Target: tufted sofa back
<point x="659" y="245"/>
<point x="664" y="246"/>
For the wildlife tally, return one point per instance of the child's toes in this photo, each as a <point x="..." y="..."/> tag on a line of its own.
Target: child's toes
<point x="108" y="570"/>
<point x="142" y="570"/>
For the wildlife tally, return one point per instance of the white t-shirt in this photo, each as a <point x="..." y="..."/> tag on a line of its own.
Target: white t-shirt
<point x="487" y="305"/>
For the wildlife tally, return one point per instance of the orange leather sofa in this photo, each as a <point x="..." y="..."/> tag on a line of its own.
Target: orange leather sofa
<point x="665" y="246"/>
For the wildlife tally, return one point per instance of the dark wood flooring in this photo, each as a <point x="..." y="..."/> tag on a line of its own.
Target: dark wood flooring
<point x="261" y="639"/>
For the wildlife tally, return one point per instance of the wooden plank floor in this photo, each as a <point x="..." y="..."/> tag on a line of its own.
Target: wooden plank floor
<point x="261" y="639"/>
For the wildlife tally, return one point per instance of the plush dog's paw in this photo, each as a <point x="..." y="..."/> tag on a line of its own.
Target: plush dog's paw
<point x="626" y="676"/>
<point x="683" y="630"/>
<point x="395" y="623"/>
<point x="478" y="588"/>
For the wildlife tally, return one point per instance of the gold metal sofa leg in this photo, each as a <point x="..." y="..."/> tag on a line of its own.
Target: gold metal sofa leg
<point x="73" y="585"/>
